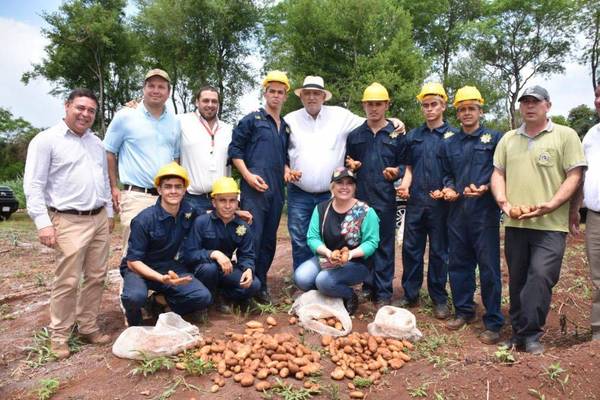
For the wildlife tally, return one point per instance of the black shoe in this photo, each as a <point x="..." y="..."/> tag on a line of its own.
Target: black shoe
<point x="198" y="316"/>
<point x="534" y="347"/>
<point x="220" y="305"/>
<point x="154" y="306"/>
<point x="513" y="343"/>
<point x="460" y="321"/>
<point x="263" y="297"/>
<point x="351" y="304"/>
<point x="383" y="302"/>
<point x="489" y="337"/>
<point x="403" y="302"/>
<point x="441" y="311"/>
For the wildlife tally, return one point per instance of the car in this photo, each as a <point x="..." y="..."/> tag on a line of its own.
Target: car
<point x="8" y="202"/>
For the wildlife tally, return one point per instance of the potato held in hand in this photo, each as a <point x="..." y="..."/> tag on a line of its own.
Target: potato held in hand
<point x="515" y="212"/>
<point x="352" y="164"/>
<point x="344" y="255"/>
<point x="436" y="194"/>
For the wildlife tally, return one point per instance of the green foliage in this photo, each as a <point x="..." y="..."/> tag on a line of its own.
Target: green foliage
<point x="40" y="353"/>
<point x="150" y="365"/>
<point x="588" y="20"/>
<point x="504" y="355"/>
<point x="195" y="365"/>
<point x="350" y="44"/>
<point x="15" y="134"/>
<point x="582" y="118"/>
<point x="47" y="388"/>
<point x="554" y="371"/>
<point x="288" y="392"/>
<point x="419" y="391"/>
<point x="360" y="382"/>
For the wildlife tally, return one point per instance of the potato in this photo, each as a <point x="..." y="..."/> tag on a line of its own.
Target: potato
<point x="284" y="372"/>
<point x="263" y="385"/>
<point x="254" y="324"/>
<point x="299" y="375"/>
<point x="404" y="356"/>
<point x="357" y="394"/>
<point x="338" y="374"/>
<point x="525" y="209"/>
<point x="227" y="374"/>
<point x="467" y="190"/>
<point x="473" y="187"/>
<point x="407" y="344"/>
<point x="271" y="321"/>
<point x="349" y="373"/>
<point x="396" y="363"/>
<point x="247" y="380"/>
<point x="515" y="212"/>
<point x="338" y="325"/>
<point x="325" y="340"/>
<point x="214" y="388"/>
<point x="180" y="365"/>
<point x="436" y="194"/>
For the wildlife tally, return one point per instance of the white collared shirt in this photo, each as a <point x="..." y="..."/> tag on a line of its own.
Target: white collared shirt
<point x="591" y="185"/>
<point x="67" y="172"/>
<point x="204" y="162"/>
<point x="317" y="145"/>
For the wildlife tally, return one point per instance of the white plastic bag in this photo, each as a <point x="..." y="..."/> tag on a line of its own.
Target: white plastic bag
<point x="312" y="305"/>
<point x="395" y="322"/>
<point x="170" y="336"/>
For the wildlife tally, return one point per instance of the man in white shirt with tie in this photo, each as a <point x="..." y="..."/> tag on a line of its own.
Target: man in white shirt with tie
<point x="68" y="197"/>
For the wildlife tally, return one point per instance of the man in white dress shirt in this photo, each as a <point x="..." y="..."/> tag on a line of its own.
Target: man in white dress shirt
<point x="317" y="146"/>
<point x="69" y="199"/>
<point x="204" y="143"/>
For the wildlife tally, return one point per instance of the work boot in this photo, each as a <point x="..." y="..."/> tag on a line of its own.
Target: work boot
<point x="263" y="297"/>
<point x="60" y="348"/>
<point x="198" y="316"/>
<point x="513" y="343"/>
<point x="534" y="347"/>
<point x="220" y="304"/>
<point x="459" y="321"/>
<point x="95" y="337"/>
<point x="403" y="302"/>
<point x="441" y="311"/>
<point x="489" y="337"/>
<point x="351" y="304"/>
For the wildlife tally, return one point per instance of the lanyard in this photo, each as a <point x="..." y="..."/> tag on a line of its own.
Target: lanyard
<point x="209" y="131"/>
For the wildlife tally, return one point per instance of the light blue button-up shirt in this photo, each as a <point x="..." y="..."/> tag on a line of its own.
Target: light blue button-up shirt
<point x="143" y="143"/>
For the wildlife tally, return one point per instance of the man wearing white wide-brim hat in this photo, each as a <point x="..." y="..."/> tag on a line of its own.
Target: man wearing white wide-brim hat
<point x="317" y="146"/>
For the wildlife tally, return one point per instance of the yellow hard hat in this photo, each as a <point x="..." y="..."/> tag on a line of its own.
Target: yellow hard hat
<point x="375" y="92"/>
<point x="432" y="88"/>
<point x="467" y="93"/>
<point x="171" y="169"/>
<point x="224" y="185"/>
<point x="277" y="76"/>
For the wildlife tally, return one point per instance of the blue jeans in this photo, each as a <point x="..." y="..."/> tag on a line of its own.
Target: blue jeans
<point x="182" y="299"/>
<point x="301" y="205"/>
<point x="211" y="275"/>
<point x="335" y="282"/>
<point x="200" y="202"/>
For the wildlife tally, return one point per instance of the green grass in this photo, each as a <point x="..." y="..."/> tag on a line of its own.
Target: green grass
<point x="195" y="365"/>
<point x="504" y="355"/>
<point x="151" y="365"/>
<point x="39" y="353"/>
<point x="288" y="392"/>
<point x="47" y="388"/>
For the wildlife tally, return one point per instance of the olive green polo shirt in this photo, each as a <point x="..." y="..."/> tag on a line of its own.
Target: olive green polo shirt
<point x="534" y="170"/>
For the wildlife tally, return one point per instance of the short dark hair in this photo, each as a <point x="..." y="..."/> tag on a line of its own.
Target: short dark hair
<point x="206" y="88"/>
<point x="82" y="92"/>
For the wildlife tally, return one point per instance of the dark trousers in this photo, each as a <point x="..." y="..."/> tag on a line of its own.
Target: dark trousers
<point x="200" y="202"/>
<point x="420" y="223"/>
<point x="300" y="207"/>
<point x="534" y="258"/>
<point x="212" y="276"/>
<point x="266" y="212"/>
<point x="182" y="299"/>
<point x="474" y="243"/>
<point x="382" y="263"/>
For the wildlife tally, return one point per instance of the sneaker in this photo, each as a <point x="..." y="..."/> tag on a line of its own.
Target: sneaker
<point x="263" y="297"/>
<point x="441" y="311"/>
<point x="95" y="337"/>
<point x="534" y="347"/>
<point x="403" y="302"/>
<point x="489" y="337"/>
<point x="459" y="321"/>
<point x="351" y="304"/>
<point x="60" y="349"/>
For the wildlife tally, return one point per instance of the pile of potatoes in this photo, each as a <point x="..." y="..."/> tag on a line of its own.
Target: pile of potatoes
<point x="332" y="322"/>
<point x="516" y="211"/>
<point x="364" y="355"/>
<point x="252" y="357"/>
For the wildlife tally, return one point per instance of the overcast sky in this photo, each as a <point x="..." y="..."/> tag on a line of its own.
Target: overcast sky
<point x="23" y="44"/>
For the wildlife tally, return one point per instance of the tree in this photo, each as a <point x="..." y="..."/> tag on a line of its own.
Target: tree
<point x="582" y="118"/>
<point x="350" y="44"/>
<point x="199" y="42"/>
<point x="92" y="47"/>
<point x="519" y="39"/>
<point x="589" y="21"/>
<point x="440" y="29"/>
<point x="15" y="135"/>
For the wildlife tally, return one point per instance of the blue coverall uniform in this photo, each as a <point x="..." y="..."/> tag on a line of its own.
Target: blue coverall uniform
<point x="208" y="234"/>
<point x="473" y="225"/>
<point x="156" y="238"/>
<point x="377" y="152"/>
<point x="425" y="217"/>
<point x="263" y="148"/>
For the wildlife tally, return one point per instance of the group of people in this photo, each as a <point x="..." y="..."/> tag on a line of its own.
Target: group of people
<point x="190" y="233"/>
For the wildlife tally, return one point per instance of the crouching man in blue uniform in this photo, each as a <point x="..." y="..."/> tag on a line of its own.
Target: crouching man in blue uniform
<point x="378" y="149"/>
<point x="210" y="247"/>
<point x="474" y="217"/>
<point x="153" y="261"/>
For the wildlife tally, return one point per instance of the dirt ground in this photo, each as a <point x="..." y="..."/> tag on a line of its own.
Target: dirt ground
<point x="445" y="365"/>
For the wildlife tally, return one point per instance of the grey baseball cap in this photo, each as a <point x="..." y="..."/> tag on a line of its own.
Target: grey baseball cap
<point x="535" y="91"/>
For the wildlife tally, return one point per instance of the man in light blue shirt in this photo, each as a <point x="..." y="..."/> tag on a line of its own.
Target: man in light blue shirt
<point x="139" y="141"/>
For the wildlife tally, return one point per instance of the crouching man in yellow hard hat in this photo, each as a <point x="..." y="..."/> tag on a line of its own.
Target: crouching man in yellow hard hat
<point x="153" y="261"/>
<point x="211" y="244"/>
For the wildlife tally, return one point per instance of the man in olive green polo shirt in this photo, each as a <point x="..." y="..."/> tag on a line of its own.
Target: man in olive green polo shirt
<point x="537" y="166"/>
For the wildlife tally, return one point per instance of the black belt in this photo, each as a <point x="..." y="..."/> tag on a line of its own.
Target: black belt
<point x="77" y="212"/>
<point x="205" y="195"/>
<point x="134" y="188"/>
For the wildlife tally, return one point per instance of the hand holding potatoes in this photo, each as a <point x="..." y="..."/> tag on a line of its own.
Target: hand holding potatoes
<point x="473" y="191"/>
<point x="436" y="194"/>
<point x="391" y="173"/>
<point x="450" y="194"/>
<point x="403" y="192"/>
<point x="171" y="278"/>
<point x="523" y="212"/>
<point x="352" y="164"/>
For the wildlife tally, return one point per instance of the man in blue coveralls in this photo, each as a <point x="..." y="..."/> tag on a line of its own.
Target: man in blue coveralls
<point x="425" y="216"/>
<point x="153" y="260"/>
<point x="258" y="149"/>
<point x="374" y="151"/>
<point x="213" y="240"/>
<point x="474" y="217"/>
